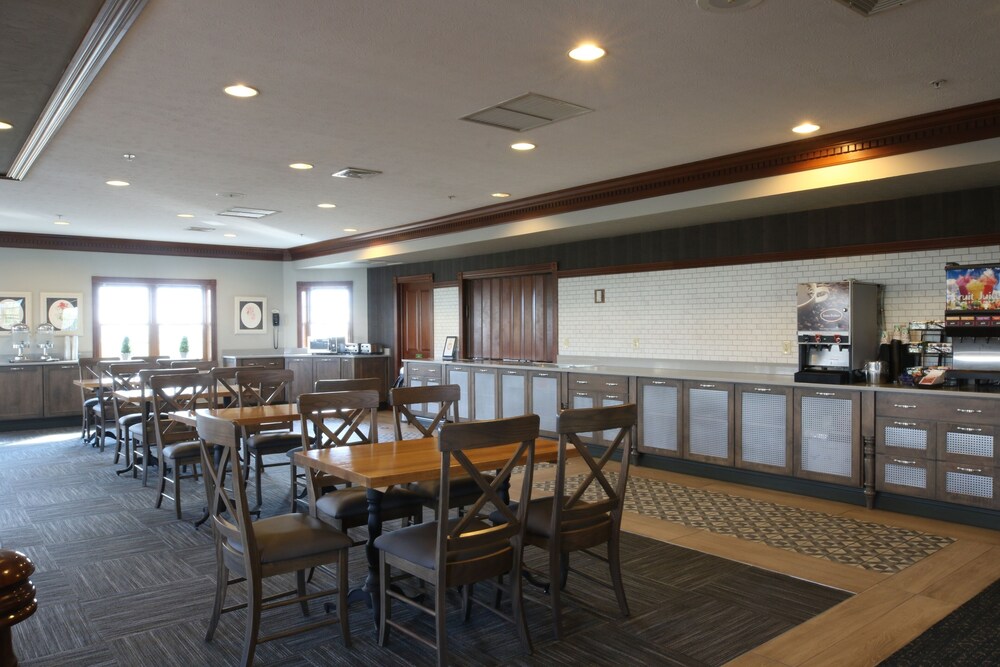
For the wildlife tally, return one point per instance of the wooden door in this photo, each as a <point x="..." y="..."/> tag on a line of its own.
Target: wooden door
<point x="414" y="318"/>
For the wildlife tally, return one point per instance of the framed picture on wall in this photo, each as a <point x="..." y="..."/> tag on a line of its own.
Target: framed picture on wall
<point x="250" y="314"/>
<point x="450" y="343"/>
<point x="15" y="308"/>
<point x="61" y="310"/>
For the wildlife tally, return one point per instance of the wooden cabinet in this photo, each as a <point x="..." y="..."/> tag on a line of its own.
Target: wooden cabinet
<point x="544" y="392"/>
<point x="586" y="390"/>
<point x="326" y="368"/>
<point x="828" y="435"/>
<point x="660" y="428"/>
<point x="62" y="397"/>
<point x="708" y="422"/>
<point x="763" y="428"/>
<point x="419" y="374"/>
<point x="302" y="383"/>
<point x="365" y="366"/>
<point x="254" y="362"/>
<point x="21" y="395"/>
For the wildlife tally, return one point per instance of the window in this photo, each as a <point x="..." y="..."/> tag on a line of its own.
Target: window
<point x="155" y="315"/>
<point x="325" y="311"/>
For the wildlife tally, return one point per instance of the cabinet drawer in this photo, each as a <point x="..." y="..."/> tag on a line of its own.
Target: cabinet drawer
<point x="906" y="476"/>
<point x="933" y="405"/>
<point x="967" y="443"/>
<point x="907" y="438"/>
<point x="269" y="362"/>
<point x="967" y="484"/>
<point x="585" y="382"/>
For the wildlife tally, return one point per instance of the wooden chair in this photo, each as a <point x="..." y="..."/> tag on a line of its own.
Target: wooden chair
<point x="89" y="370"/>
<point x="252" y="551"/>
<point x="196" y="364"/>
<point x="297" y="480"/>
<point x="177" y="444"/>
<point x="402" y="399"/>
<point x="346" y="506"/>
<point x="464" y="550"/>
<point x="265" y="387"/>
<point x="115" y="414"/>
<point x="566" y="522"/>
<point x="141" y="436"/>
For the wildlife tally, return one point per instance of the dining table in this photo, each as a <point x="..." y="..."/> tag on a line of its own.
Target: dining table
<point x="379" y="466"/>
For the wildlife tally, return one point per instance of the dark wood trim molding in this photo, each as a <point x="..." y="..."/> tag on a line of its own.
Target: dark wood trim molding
<point x="422" y="278"/>
<point x="446" y="283"/>
<point x="534" y="269"/>
<point x="973" y="122"/>
<point x="136" y="247"/>
<point x="792" y="255"/>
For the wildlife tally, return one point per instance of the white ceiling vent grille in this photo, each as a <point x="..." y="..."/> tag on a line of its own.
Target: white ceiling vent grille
<point x="199" y="229"/>
<point x="252" y="213"/>
<point x="526" y="112"/>
<point x="355" y="172"/>
<point x="869" y="7"/>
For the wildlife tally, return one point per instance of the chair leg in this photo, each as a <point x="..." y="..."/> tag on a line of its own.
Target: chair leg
<point x="294" y="487"/>
<point x="176" y="477"/>
<point x="467" y="593"/>
<point x="386" y="602"/>
<point x="221" y="584"/>
<point x="300" y="587"/>
<point x="439" y="622"/>
<point x="615" y="564"/>
<point x="254" y="602"/>
<point x="257" y="470"/>
<point x="161" y="486"/>
<point x="556" y="583"/>
<point x="342" y="584"/>
<point x="517" y="601"/>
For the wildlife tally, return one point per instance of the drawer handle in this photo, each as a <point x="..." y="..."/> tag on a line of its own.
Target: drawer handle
<point x="658" y="382"/>
<point x="582" y="381"/>
<point x="483" y="370"/>
<point x="904" y="406"/>
<point x="707" y="386"/>
<point x="904" y="462"/>
<point x="964" y="469"/>
<point x="905" y="423"/>
<point x="826" y="393"/>
<point x="541" y="375"/>
<point x="968" y="411"/>
<point x="511" y="372"/>
<point x="611" y="384"/>
<point x="968" y="429"/>
<point x="582" y="393"/>
<point x="67" y="367"/>
<point x="764" y="390"/>
<point x="612" y="397"/>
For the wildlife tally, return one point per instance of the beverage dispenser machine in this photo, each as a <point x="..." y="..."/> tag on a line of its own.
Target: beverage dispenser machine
<point x="838" y="329"/>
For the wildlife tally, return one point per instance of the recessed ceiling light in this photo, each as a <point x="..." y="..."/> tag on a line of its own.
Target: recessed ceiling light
<point x="805" y="128"/>
<point x="5" y="126"/>
<point x="185" y="215"/>
<point x="240" y="90"/>
<point x="230" y="235"/>
<point x="60" y="221"/>
<point x="300" y="165"/>
<point x="587" y="52"/>
<point x="350" y="229"/>
<point x="501" y="195"/>
<point x="117" y="184"/>
<point x="327" y="205"/>
<point x="523" y="146"/>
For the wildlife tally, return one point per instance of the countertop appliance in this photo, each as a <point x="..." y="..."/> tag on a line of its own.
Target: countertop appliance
<point x="838" y="329"/>
<point x="972" y="316"/>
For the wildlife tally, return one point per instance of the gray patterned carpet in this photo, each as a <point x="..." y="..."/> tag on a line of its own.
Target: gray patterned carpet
<point x="121" y="583"/>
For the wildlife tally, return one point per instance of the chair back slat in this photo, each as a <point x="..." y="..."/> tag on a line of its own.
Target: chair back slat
<point x="227" y="504"/>
<point x="402" y="398"/>
<point x="259" y="387"/>
<point x="177" y="392"/>
<point x="347" y="384"/>
<point x="225" y="391"/>
<point x="323" y="417"/>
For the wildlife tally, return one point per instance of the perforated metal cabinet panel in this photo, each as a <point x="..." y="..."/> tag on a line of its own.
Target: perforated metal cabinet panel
<point x="708" y="423"/>
<point x="763" y="434"/>
<point x="608" y="401"/>
<point x="513" y="394"/>
<point x="973" y="443"/>
<point x="968" y="485"/>
<point x="660" y="411"/>
<point x="545" y="399"/>
<point x="907" y="438"/>
<point x="911" y="477"/>
<point x="484" y="394"/>
<point x="583" y="399"/>
<point x="462" y="377"/>
<point x="826" y="438"/>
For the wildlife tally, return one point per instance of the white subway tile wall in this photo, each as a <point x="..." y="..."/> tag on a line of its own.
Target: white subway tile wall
<point x="743" y="313"/>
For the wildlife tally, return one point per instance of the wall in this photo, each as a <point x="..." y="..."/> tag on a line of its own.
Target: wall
<point x="37" y="271"/>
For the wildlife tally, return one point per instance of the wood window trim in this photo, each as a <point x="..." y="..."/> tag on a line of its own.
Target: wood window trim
<point x="301" y="289"/>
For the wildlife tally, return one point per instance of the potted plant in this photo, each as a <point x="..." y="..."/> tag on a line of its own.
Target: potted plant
<point x="184" y="347"/>
<point x="126" y="349"/>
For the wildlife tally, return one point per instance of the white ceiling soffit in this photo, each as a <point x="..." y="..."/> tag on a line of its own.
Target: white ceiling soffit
<point x="527" y="112"/>
<point x="869" y="7"/>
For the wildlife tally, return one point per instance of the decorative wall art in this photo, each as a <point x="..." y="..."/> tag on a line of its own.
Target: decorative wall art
<point x="61" y="310"/>
<point x="250" y="314"/>
<point x="15" y="308"/>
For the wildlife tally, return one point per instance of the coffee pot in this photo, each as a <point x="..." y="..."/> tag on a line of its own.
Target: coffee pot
<point x="874" y="371"/>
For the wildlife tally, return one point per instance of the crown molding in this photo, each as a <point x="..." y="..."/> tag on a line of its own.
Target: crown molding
<point x="135" y="247"/>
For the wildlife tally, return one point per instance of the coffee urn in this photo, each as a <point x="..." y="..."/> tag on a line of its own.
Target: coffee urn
<point x="838" y="329"/>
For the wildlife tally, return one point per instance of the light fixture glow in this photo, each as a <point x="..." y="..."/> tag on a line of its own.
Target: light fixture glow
<point x="587" y="52"/>
<point x="185" y="215"/>
<point x="300" y="165"/>
<point x="60" y="221"/>
<point x="523" y="146"/>
<point x="805" y="128"/>
<point x="327" y="205"/>
<point x="230" y="235"/>
<point x="350" y="229"/>
<point x="501" y="195"/>
<point x="117" y="184"/>
<point x="240" y="90"/>
<point x="5" y="126"/>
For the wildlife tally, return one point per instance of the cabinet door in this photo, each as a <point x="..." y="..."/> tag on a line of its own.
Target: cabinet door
<point x="660" y="416"/>
<point x="462" y="376"/>
<point x="302" y="383"/>
<point x="62" y="397"/>
<point x="423" y="375"/>
<point x="828" y="435"/>
<point x="764" y="428"/>
<point x="544" y="399"/>
<point x="327" y="368"/>
<point x="513" y="393"/>
<point x="484" y="393"/>
<point x="708" y="409"/>
<point x="374" y="366"/>
<point x="21" y="392"/>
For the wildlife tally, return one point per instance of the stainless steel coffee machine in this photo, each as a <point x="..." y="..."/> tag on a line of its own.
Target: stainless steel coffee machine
<point x="837" y="329"/>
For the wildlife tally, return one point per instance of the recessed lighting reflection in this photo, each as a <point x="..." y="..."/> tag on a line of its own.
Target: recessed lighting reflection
<point x="327" y="205"/>
<point x="501" y="195"/>
<point x="300" y="165"/>
<point x="805" y="128"/>
<point x="60" y="221"/>
<point x="5" y="126"/>
<point x="350" y="229"/>
<point x="240" y="90"/>
<point x="230" y="236"/>
<point x="185" y="215"/>
<point x="523" y="146"/>
<point x="586" y="52"/>
<point x="117" y="184"/>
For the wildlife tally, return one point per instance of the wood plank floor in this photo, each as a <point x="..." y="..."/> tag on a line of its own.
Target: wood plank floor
<point x="887" y="610"/>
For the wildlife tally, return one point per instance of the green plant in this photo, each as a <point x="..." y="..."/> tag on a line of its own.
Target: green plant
<point x="184" y="345"/>
<point x="126" y="346"/>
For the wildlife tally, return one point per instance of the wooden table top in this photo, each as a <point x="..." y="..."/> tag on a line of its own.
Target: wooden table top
<point x="93" y="384"/>
<point x="249" y="416"/>
<point x="383" y="464"/>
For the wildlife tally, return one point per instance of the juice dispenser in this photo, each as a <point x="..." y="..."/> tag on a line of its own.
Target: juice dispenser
<point x="837" y="329"/>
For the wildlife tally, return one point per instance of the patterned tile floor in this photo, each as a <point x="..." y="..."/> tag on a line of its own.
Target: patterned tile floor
<point x="862" y="544"/>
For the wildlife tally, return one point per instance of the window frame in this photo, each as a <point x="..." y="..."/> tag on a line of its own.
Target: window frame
<point x="302" y="290"/>
<point x="210" y="336"/>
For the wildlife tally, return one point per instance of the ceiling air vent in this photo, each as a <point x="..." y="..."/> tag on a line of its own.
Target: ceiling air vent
<point x="869" y="7"/>
<point x="526" y="112"/>
<point x="199" y="229"/>
<point x="252" y="213"/>
<point x="355" y="172"/>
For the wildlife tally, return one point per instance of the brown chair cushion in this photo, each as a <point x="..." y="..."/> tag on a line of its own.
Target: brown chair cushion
<point x="353" y="501"/>
<point x="460" y="487"/>
<point x="273" y="443"/>
<point x="539" y="518"/>
<point x="418" y="544"/>
<point x="183" y="450"/>
<point x="291" y="536"/>
<point x="127" y="421"/>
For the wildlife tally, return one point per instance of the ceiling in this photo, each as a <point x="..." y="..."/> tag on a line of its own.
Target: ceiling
<point x="384" y="85"/>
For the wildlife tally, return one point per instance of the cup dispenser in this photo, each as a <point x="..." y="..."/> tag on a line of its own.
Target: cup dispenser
<point x="837" y="330"/>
